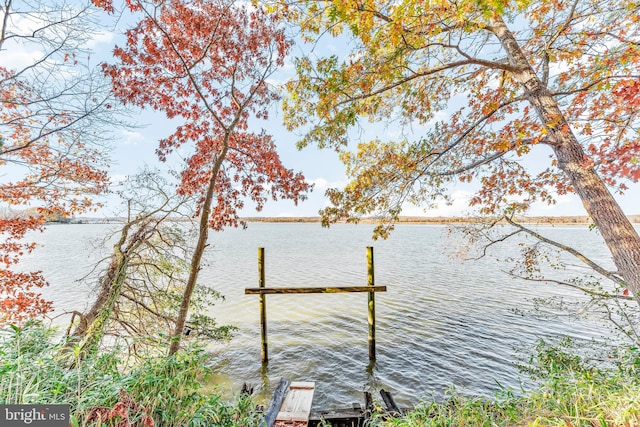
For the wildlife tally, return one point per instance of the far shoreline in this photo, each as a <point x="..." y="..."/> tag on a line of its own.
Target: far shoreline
<point x="534" y="220"/>
<point x="435" y="220"/>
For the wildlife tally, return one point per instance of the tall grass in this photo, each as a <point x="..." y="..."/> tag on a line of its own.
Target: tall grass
<point x="571" y="392"/>
<point x="160" y="391"/>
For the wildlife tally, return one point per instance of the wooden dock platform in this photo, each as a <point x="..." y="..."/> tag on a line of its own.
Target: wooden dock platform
<point x="291" y="407"/>
<point x="296" y="407"/>
<point x="346" y="417"/>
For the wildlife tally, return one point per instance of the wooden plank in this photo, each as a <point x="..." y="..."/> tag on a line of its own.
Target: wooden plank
<point x="337" y="414"/>
<point x="297" y="405"/>
<point x="247" y="389"/>
<point x="279" y="394"/>
<point x="389" y="402"/>
<point x="347" y="417"/>
<point x="316" y="290"/>
<point x="368" y="405"/>
<point x="368" y="401"/>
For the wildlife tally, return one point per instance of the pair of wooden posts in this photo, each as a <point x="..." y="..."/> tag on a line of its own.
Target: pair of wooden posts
<point x="371" y="289"/>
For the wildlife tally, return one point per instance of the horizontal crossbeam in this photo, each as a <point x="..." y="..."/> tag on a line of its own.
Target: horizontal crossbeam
<point x="326" y="290"/>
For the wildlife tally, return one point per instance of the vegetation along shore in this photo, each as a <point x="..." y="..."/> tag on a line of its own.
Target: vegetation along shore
<point x="176" y="120"/>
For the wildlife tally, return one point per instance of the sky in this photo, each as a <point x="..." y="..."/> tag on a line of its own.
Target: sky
<point x="324" y="170"/>
<point x="134" y="148"/>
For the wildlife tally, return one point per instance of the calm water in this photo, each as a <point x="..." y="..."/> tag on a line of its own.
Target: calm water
<point x="442" y="323"/>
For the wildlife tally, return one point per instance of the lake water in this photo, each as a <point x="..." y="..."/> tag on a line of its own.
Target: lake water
<point x="442" y="323"/>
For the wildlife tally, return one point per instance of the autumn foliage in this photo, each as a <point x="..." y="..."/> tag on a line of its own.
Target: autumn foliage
<point x="471" y="89"/>
<point x="412" y="64"/>
<point x="52" y="169"/>
<point x="51" y="156"/>
<point x="207" y="64"/>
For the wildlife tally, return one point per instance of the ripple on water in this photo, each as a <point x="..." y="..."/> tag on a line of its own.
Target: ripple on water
<point x="442" y="323"/>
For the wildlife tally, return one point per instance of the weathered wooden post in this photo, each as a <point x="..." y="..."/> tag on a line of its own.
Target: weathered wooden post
<point x="372" y="305"/>
<point x="370" y="289"/>
<point x="263" y="307"/>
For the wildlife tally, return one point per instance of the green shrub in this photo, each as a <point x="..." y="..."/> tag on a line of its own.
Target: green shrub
<point x="161" y="391"/>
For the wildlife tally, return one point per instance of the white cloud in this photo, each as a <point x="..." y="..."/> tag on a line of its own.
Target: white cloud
<point x="18" y="55"/>
<point x="102" y="37"/>
<point x="132" y="137"/>
<point x="321" y="184"/>
<point x="18" y="58"/>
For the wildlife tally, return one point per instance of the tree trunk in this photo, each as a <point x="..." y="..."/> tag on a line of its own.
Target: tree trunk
<point x="90" y="330"/>
<point x="203" y="234"/>
<point x="98" y="317"/>
<point x="616" y="229"/>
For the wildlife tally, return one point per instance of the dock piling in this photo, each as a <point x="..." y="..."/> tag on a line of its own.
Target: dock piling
<point x="371" y="315"/>
<point x="370" y="289"/>
<point x="263" y="308"/>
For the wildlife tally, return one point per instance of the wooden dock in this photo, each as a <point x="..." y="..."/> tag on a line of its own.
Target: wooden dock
<point x="346" y="417"/>
<point x="291" y="404"/>
<point x="296" y="408"/>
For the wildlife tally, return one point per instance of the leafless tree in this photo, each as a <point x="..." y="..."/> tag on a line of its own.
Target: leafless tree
<point x="144" y="277"/>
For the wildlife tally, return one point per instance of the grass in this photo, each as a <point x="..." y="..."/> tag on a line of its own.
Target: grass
<point x="581" y="403"/>
<point x="159" y="391"/>
<point x="571" y="393"/>
<point x="166" y="391"/>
